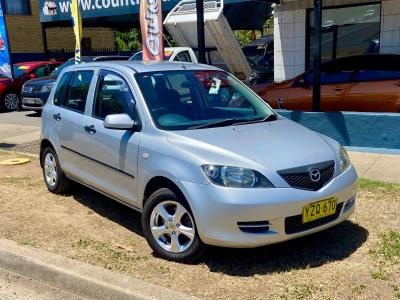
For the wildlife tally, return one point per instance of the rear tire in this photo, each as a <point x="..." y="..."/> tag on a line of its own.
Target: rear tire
<point x="169" y="227"/>
<point x="53" y="176"/>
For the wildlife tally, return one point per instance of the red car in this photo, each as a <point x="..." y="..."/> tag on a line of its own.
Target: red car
<point x="10" y="90"/>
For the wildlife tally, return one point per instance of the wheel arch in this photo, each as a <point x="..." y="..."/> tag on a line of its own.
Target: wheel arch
<point x="45" y="143"/>
<point x="159" y="182"/>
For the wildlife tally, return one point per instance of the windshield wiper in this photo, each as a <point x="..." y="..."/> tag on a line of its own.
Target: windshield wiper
<point x="268" y="118"/>
<point x="220" y="123"/>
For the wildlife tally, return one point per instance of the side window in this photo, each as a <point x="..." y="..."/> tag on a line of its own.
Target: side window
<point x="52" y="67"/>
<point x="371" y="75"/>
<point x="113" y="96"/>
<point x="183" y="56"/>
<point x="62" y="89"/>
<point x="78" y="91"/>
<point x="41" y="71"/>
<point x="335" y="77"/>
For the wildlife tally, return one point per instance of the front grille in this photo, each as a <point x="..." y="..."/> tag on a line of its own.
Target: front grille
<point x="294" y="224"/>
<point x="303" y="181"/>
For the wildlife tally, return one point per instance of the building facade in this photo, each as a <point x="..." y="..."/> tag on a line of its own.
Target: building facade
<point x="26" y="36"/>
<point x="349" y="27"/>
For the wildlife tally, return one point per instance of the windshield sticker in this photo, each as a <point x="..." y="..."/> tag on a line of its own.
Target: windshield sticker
<point x="23" y="67"/>
<point x="215" y="85"/>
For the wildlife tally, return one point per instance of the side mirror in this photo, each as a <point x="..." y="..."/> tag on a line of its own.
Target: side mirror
<point x="121" y="122"/>
<point x="32" y="76"/>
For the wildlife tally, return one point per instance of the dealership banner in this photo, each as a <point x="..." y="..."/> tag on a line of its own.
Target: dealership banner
<point x="5" y="55"/>
<point x="151" y="26"/>
<point x="77" y="25"/>
<point x="59" y="10"/>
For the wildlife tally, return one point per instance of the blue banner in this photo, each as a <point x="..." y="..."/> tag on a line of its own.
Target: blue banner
<point x="5" y="58"/>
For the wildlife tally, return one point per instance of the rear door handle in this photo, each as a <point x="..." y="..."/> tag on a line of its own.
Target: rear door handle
<point x="90" y="129"/>
<point x="338" y="90"/>
<point x="57" y="117"/>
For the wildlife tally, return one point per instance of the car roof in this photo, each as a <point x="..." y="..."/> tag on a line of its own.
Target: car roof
<point x="151" y="66"/>
<point x="35" y="63"/>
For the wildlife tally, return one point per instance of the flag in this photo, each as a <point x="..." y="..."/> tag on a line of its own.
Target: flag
<point x="5" y="55"/>
<point x="77" y="25"/>
<point x="151" y="26"/>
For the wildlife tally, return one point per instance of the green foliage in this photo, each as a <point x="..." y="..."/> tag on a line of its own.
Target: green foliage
<point x="128" y="40"/>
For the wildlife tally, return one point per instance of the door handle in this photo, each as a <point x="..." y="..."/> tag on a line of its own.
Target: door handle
<point x="279" y="101"/>
<point x="90" y="129"/>
<point x="338" y="90"/>
<point x="57" y="117"/>
<point x="397" y="83"/>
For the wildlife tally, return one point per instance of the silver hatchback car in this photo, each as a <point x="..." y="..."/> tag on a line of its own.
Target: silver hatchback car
<point x="204" y="159"/>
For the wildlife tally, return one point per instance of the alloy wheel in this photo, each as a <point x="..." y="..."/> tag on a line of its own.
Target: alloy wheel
<point x="50" y="169"/>
<point x="11" y="102"/>
<point x="172" y="226"/>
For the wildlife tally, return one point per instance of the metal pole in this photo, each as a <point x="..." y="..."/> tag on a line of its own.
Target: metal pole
<point x="317" y="55"/>
<point x="200" y="32"/>
<point x="44" y="39"/>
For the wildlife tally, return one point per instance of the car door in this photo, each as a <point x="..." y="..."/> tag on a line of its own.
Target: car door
<point x="334" y="84"/>
<point x="68" y="115"/>
<point x="375" y="90"/>
<point x="112" y="153"/>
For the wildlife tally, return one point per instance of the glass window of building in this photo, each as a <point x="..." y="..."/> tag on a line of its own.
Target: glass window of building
<point x="346" y="31"/>
<point x="16" y="7"/>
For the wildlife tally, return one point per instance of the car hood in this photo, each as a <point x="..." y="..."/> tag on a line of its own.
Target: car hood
<point x="42" y="81"/>
<point x="273" y="146"/>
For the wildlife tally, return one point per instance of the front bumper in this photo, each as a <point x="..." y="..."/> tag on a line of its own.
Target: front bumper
<point x="32" y="103"/>
<point x="217" y="210"/>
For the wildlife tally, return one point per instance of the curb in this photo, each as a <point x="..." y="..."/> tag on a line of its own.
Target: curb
<point x="79" y="278"/>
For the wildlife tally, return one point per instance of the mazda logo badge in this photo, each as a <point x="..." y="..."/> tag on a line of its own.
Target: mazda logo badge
<point x="315" y="175"/>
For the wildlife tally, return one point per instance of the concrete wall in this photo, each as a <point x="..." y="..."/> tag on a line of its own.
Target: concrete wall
<point x="390" y="27"/>
<point x="371" y="130"/>
<point x="25" y="34"/>
<point x="290" y="32"/>
<point x="289" y="42"/>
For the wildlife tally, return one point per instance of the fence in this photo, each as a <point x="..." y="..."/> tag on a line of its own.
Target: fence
<point x="63" y="54"/>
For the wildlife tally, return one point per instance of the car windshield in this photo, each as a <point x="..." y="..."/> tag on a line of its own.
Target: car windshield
<point x="180" y="100"/>
<point x="18" y="71"/>
<point x="58" y="70"/>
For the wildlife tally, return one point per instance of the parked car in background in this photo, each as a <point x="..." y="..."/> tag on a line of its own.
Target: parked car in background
<point x="10" y="90"/>
<point x="192" y="148"/>
<point x="35" y="92"/>
<point x="365" y="83"/>
<point x="183" y="54"/>
<point x="260" y="54"/>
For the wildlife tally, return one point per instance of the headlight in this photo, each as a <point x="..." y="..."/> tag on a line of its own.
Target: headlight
<point x="47" y="88"/>
<point x="25" y="88"/>
<point x="236" y="177"/>
<point x="344" y="159"/>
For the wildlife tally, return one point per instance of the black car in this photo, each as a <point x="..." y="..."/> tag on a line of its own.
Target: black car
<point x="260" y="55"/>
<point x="35" y="92"/>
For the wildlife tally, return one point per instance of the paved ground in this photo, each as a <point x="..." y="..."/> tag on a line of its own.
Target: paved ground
<point x="19" y="128"/>
<point x="17" y="287"/>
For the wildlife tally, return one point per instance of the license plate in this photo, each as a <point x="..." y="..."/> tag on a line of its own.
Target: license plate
<point x="320" y="209"/>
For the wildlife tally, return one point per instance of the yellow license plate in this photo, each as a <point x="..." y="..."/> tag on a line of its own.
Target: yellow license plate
<point x="320" y="209"/>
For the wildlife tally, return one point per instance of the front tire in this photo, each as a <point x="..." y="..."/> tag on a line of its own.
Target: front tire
<point x="11" y="102"/>
<point x="53" y="176"/>
<point x="169" y="227"/>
